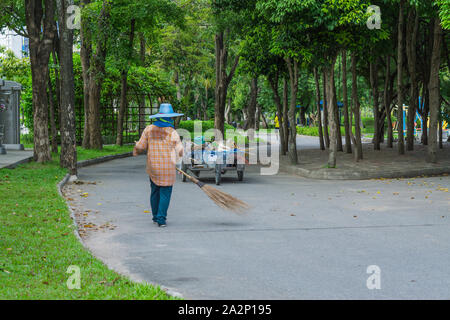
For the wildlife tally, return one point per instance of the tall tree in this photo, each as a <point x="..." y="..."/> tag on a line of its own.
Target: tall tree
<point x="293" y="69"/>
<point x="319" y="113"/>
<point x="434" y="88"/>
<point x="387" y="102"/>
<point x="347" y="123"/>
<point x="85" y="55"/>
<point x="356" y="112"/>
<point x="400" y="46"/>
<point x="124" y="84"/>
<point x="68" y="157"/>
<point x="223" y="78"/>
<point x="411" y="48"/>
<point x="375" y="95"/>
<point x="40" y="29"/>
<point x="325" y="110"/>
<point x="332" y="105"/>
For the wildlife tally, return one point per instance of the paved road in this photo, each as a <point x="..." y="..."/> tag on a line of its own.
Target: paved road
<point x="303" y="239"/>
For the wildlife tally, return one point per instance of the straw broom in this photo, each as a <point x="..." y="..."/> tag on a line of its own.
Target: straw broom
<point x="222" y="199"/>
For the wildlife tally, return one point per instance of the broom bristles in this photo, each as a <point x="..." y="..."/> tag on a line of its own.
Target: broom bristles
<point x="222" y="199"/>
<point x="225" y="200"/>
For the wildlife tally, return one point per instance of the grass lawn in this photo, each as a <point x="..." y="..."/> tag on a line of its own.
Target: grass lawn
<point x="37" y="243"/>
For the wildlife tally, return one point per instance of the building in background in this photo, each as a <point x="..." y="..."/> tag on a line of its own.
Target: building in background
<point x="14" y="42"/>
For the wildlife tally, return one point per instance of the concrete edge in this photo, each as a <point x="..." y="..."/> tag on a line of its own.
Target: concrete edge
<point x="61" y="184"/>
<point x="15" y="164"/>
<point x="91" y="162"/>
<point x="328" y="174"/>
<point x="64" y="181"/>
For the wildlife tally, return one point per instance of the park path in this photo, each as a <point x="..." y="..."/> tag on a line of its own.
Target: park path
<point x="303" y="239"/>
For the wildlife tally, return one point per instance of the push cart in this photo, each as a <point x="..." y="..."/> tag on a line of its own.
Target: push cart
<point x="211" y="160"/>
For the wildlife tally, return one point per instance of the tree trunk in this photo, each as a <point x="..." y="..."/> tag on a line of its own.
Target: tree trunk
<point x="124" y="87"/>
<point x="428" y="44"/>
<point x="332" y="105"/>
<point x="292" y="66"/>
<point x="205" y="109"/>
<point x="54" y="142"/>
<point x="258" y="116"/>
<point x="303" y="116"/>
<point x="411" y="41"/>
<point x="141" y="95"/>
<point x="424" y="114"/>
<point x="251" y="110"/>
<point x="276" y="98"/>
<point x="325" y="111"/>
<point x="387" y="103"/>
<point x="441" y="144"/>
<point x="68" y="158"/>
<point x="434" y="90"/>
<point x="228" y="111"/>
<point x="85" y="57"/>
<point x="41" y="32"/>
<point x="401" y="142"/>
<point x="319" y="113"/>
<point x="266" y="125"/>
<point x="123" y="106"/>
<point x="356" y="112"/>
<point x="347" y="124"/>
<point x="336" y="117"/>
<point x="57" y="83"/>
<point x="222" y="81"/>
<point x="96" y="77"/>
<point x="376" y="114"/>
<point x="285" y="113"/>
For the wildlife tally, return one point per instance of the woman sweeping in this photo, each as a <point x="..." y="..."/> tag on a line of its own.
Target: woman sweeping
<point x="163" y="145"/>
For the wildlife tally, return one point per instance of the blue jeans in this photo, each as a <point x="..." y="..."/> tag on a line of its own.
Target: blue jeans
<point x="159" y="201"/>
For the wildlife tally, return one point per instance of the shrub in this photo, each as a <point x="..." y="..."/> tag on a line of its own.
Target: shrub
<point x="314" y="131"/>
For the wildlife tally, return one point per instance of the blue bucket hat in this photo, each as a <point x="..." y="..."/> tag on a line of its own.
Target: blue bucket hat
<point x="165" y="111"/>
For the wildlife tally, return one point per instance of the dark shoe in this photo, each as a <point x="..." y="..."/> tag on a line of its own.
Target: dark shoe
<point x="162" y="225"/>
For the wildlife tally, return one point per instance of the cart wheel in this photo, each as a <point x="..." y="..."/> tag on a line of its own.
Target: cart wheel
<point x="218" y="175"/>
<point x="183" y="167"/>
<point x="240" y="175"/>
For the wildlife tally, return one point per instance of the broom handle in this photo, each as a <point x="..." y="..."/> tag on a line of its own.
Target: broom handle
<point x="190" y="177"/>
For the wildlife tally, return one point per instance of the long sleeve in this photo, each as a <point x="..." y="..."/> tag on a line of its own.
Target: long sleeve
<point x="142" y="144"/>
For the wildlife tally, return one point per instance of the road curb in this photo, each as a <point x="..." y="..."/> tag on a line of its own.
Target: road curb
<point x="336" y="174"/>
<point x="15" y="164"/>
<point x="90" y="162"/>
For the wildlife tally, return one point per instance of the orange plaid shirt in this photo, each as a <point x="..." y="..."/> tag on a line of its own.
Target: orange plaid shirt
<point x="163" y="146"/>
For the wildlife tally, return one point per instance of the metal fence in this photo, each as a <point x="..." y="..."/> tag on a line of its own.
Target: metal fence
<point x="135" y="120"/>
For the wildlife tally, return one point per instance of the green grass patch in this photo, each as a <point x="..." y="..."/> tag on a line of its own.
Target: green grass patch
<point x="86" y="154"/>
<point x="37" y="243"/>
<point x="314" y="131"/>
